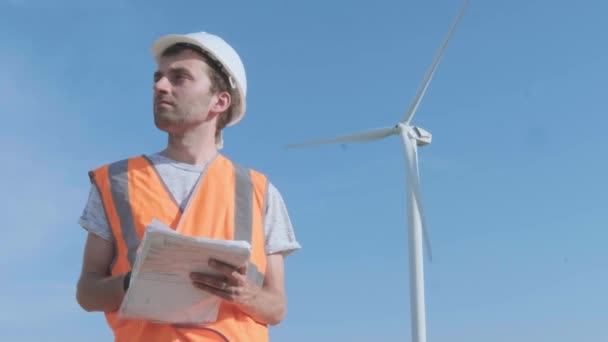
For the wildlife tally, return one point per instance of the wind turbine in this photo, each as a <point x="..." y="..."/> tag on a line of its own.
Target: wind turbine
<point x="411" y="138"/>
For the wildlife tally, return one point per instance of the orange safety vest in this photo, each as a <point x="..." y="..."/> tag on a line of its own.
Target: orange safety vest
<point x="226" y="203"/>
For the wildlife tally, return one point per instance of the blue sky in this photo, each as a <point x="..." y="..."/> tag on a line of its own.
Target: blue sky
<point x="514" y="182"/>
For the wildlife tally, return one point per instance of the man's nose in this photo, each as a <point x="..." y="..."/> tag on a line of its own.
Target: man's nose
<point x="162" y="86"/>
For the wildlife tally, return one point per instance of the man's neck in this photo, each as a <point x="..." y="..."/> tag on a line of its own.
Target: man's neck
<point x="190" y="149"/>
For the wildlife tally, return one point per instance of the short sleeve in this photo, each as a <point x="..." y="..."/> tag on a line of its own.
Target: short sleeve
<point x="279" y="232"/>
<point x="93" y="218"/>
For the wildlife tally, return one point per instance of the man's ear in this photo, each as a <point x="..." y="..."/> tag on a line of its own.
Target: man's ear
<point x="221" y="102"/>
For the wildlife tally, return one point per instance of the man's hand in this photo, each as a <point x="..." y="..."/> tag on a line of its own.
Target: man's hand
<point x="266" y="304"/>
<point x="233" y="285"/>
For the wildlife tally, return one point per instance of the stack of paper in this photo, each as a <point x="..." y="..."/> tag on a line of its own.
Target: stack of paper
<point x="161" y="289"/>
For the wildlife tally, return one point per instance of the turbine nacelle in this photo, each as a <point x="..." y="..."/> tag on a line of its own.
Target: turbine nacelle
<point x="422" y="136"/>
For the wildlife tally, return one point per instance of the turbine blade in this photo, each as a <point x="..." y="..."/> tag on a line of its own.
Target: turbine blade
<point x="431" y="70"/>
<point x="372" y="135"/>
<point x="425" y="227"/>
<point x="413" y="181"/>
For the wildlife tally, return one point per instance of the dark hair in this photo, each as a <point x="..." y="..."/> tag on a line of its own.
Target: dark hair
<point x="218" y="76"/>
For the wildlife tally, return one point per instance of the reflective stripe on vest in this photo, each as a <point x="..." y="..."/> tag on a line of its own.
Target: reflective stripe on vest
<point x="119" y="187"/>
<point x="243" y="213"/>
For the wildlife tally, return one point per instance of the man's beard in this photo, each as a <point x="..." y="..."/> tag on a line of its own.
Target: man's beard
<point x="168" y="117"/>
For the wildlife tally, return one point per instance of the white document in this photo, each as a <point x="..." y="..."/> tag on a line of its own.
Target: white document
<point x="161" y="289"/>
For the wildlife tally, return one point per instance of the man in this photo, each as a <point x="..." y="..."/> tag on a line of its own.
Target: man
<point x="199" y="89"/>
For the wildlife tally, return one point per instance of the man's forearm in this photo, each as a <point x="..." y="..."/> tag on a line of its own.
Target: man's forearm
<point x="97" y="292"/>
<point x="268" y="306"/>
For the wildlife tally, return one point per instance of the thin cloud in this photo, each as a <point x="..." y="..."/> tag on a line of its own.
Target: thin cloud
<point x="39" y="196"/>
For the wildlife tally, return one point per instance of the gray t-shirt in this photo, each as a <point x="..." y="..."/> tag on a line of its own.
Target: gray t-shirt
<point x="180" y="179"/>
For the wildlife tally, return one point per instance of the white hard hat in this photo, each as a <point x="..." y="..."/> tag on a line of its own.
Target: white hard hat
<point x="222" y="53"/>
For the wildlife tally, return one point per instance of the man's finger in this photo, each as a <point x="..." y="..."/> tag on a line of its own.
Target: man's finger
<point x="228" y="270"/>
<point x="219" y="293"/>
<point x="242" y="270"/>
<point x="214" y="281"/>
